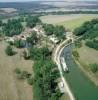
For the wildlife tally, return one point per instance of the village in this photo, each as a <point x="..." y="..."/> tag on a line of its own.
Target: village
<point x="39" y="30"/>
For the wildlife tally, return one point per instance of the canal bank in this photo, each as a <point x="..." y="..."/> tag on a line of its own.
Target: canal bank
<point x="81" y="86"/>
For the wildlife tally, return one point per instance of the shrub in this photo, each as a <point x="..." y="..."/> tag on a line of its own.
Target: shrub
<point x="17" y="71"/>
<point x="94" y="67"/>
<point x="22" y="74"/>
<point x="9" y="51"/>
<point x="19" y="43"/>
<point x="30" y="81"/>
<point x="26" y="55"/>
<point x="75" y="54"/>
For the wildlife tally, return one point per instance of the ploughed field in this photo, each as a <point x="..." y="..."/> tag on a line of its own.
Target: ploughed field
<point x="10" y="87"/>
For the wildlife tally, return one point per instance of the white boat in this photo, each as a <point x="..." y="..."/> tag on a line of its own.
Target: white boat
<point x="65" y="68"/>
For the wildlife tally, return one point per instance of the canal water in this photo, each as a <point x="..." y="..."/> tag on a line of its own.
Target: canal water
<point x="81" y="86"/>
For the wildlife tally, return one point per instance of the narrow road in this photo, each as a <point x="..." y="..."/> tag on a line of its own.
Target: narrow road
<point x="56" y="58"/>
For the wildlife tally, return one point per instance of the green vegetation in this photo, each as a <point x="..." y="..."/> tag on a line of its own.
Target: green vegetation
<point x="26" y="55"/>
<point x="75" y="54"/>
<point x="45" y="85"/>
<point x="30" y="80"/>
<point x="58" y="31"/>
<point x="45" y="75"/>
<point x="78" y="44"/>
<point x="22" y="74"/>
<point x="33" y="39"/>
<point x="45" y="71"/>
<point x="87" y="28"/>
<point x="92" y="44"/>
<point x="39" y="53"/>
<point x="9" y="51"/>
<point x="1" y="23"/>
<point x="32" y="21"/>
<point x="19" y="43"/>
<point x="12" y="27"/>
<point x="94" y="67"/>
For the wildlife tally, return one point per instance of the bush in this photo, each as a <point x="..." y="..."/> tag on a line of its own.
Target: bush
<point x="30" y="81"/>
<point x="22" y="74"/>
<point x="9" y="51"/>
<point x="78" y="44"/>
<point x="26" y="55"/>
<point x="75" y="54"/>
<point x="19" y="43"/>
<point x="94" y="67"/>
<point x="17" y="71"/>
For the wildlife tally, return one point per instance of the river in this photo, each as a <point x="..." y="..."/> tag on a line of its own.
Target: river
<point x="81" y="86"/>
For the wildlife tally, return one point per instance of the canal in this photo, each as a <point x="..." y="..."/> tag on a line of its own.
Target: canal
<point x="81" y="86"/>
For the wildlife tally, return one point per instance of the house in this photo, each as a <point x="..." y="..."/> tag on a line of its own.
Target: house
<point x="11" y="39"/>
<point x="39" y="30"/>
<point x="54" y="39"/>
<point x="69" y="35"/>
<point x="61" y="87"/>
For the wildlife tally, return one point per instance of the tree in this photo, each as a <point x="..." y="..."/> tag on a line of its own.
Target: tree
<point x="39" y="53"/>
<point x="58" y="31"/>
<point x="1" y="23"/>
<point x="9" y="51"/>
<point x="94" y="67"/>
<point x="33" y="39"/>
<point x="12" y="27"/>
<point x="44" y="74"/>
<point x="32" y="21"/>
<point x="49" y="29"/>
<point x="75" y="54"/>
<point x="19" y="43"/>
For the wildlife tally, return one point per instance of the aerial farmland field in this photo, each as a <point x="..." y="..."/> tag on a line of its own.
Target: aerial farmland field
<point x="10" y="87"/>
<point x="69" y="21"/>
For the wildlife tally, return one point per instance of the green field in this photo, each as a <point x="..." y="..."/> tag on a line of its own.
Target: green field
<point x="74" y="23"/>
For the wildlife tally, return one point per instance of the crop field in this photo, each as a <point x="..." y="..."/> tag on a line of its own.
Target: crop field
<point x="88" y="55"/>
<point x="8" y="10"/>
<point x="69" y="21"/>
<point x="10" y="87"/>
<point x="54" y="19"/>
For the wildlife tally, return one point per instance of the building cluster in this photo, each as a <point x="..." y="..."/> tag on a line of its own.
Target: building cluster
<point x="40" y="32"/>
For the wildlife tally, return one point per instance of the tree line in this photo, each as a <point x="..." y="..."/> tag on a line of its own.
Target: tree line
<point x="58" y="31"/>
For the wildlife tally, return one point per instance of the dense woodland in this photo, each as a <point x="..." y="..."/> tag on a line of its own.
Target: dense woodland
<point x="12" y="27"/>
<point x="58" y="31"/>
